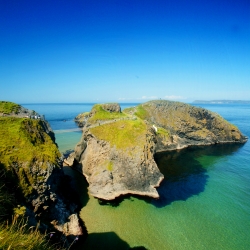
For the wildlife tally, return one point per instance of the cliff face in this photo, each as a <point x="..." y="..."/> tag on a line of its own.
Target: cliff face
<point x="116" y="152"/>
<point x="29" y="154"/>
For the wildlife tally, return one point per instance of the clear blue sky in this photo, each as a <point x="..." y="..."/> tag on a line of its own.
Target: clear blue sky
<point x="124" y="50"/>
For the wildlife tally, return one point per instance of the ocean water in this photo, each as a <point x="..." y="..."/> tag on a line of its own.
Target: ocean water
<point x="205" y="196"/>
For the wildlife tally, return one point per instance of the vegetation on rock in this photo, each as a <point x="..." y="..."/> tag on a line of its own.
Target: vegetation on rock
<point x="9" y="107"/>
<point x="122" y="134"/>
<point x="18" y="235"/>
<point x="116" y="153"/>
<point x="23" y="142"/>
<point x="190" y="122"/>
<point x="98" y="113"/>
<point x="30" y="178"/>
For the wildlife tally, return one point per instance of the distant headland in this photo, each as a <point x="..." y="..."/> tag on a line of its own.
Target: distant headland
<point x="222" y="102"/>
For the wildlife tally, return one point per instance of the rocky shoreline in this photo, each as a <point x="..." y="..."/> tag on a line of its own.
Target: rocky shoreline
<point x="116" y="152"/>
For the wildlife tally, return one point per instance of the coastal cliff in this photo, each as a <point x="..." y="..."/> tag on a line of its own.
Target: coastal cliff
<point x="116" y="152"/>
<point x="29" y="155"/>
<point x="181" y="125"/>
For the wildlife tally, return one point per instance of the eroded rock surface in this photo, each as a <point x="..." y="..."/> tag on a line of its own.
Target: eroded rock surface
<point x="116" y="152"/>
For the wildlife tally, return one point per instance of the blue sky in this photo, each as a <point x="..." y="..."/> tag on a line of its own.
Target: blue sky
<point x="124" y="51"/>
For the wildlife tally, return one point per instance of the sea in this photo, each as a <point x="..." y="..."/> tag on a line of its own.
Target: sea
<point x="204" y="199"/>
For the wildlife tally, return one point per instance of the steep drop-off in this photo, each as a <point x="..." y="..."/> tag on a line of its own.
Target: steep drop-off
<point x="30" y="156"/>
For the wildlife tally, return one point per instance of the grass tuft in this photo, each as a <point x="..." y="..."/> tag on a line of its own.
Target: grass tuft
<point x="19" y="236"/>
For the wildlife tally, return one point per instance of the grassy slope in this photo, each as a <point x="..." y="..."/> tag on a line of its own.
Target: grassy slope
<point x="122" y="134"/>
<point x="9" y="107"/>
<point x="23" y="141"/>
<point x="138" y="111"/>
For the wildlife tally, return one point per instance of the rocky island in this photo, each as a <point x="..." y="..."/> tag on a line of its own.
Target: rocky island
<point x="31" y="165"/>
<point x="116" y="151"/>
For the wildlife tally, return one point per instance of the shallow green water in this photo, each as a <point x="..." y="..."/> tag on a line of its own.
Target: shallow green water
<point x="204" y="200"/>
<point x="67" y="140"/>
<point x="203" y="205"/>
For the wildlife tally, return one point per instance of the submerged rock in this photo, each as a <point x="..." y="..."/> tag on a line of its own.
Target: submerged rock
<point x="116" y="152"/>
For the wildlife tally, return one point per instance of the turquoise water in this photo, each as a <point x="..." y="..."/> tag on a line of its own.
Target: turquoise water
<point x="204" y="200"/>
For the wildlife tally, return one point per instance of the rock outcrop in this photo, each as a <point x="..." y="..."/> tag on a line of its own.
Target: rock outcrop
<point x="180" y="125"/>
<point x="81" y="119"/>
<point x="116" y="152"/>
<point x="122" y="161"/>
<point x="28" y="152"/>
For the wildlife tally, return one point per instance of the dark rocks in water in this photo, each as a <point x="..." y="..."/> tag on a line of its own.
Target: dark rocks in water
<point x="116" y="152"/>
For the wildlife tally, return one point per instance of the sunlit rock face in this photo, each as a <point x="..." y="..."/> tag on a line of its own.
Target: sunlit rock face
<point x="116" y="152"/>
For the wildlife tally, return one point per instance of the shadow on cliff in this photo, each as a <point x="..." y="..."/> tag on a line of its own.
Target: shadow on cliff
<point x="79" y="184"/>
<point x="106" y="241"/>
<point x="185" y="171"/>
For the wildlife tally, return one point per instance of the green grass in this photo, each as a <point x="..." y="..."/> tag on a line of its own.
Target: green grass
<point x="9" y="107"/>
<point x="23" y="143"/>
<point x="122" y="134"/>
<point x="141" y="112"/>
<point x="129" y="110"/>
<point x="163" y="132"/>
<point x="100" y="114"/>
<point x="18" y="236"/>
<point x="24" y="140"/>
